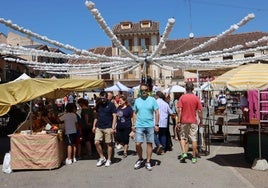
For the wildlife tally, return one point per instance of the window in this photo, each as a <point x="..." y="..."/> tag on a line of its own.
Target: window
<point x="249" y="55"/>
<point x="144" y="43"/>
<point x="127" y="43"/>
<point x="227" y="57"/>
<point x="204" y="59"/>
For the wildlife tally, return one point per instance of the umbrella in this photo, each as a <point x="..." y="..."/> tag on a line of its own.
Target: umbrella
<point x="244" y="77"/>
<point x="118" y="87"/>
<point x="175" y="89"/>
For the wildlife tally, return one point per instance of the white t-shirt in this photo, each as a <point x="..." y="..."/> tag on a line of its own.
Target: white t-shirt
<point x="222" y="99"/>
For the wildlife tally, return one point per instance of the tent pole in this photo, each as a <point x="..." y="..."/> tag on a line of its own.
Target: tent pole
<point x="259" y="128"/>
<point x="30" y="116"/>
<point x="198" y="89"/>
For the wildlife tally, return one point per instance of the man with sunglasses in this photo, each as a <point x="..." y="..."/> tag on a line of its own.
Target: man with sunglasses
<point x="104" y="127"/>
<point x="146" y="118"/>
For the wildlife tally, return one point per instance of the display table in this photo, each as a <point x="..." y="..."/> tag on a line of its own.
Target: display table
<point x="36" y="151"/>
<point x="251" y="145"/>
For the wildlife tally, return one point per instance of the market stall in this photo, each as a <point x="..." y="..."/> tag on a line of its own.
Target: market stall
<point x="41" y="149"/>
<point x="36" y="151"/>
<point x="254" y="79"/>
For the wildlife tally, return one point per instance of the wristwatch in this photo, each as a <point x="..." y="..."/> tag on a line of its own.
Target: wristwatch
<point x="157" y="125"/>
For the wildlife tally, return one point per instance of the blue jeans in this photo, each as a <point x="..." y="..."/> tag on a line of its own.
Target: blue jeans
<point x="161" y="138"/>
<point x="148" y="132"/>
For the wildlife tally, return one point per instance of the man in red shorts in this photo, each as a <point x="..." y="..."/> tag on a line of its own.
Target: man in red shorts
<point x="189" y="106"/>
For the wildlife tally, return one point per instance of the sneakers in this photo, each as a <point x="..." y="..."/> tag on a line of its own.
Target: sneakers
<point x="74" y="160"/>
<point x="138" y="164"/>
<point x="108" y="163"/>
<point x="68" y="161"/>
<point x="194" y="160"/>
<point x="183" y="157"/>
<point x="101" y="162"/>
<point x="148" y="166"/>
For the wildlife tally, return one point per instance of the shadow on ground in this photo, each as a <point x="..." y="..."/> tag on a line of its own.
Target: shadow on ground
<point x="232" y="160"/>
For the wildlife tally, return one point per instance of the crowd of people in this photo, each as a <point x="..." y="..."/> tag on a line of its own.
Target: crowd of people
<point x="117" y="119"/>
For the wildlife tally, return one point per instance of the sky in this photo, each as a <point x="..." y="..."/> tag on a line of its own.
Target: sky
<point x="70" y="22"/>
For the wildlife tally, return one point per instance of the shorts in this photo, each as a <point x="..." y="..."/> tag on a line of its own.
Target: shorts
<point x="189" y="130"/>
<point x="70" y="139"/>
<point x="103" y="134"/>
<point x="148" y="132"/>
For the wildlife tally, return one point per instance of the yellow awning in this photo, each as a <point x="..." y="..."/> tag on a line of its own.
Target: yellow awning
<point x="244" y="77"/>
<point x="13" y="93"/>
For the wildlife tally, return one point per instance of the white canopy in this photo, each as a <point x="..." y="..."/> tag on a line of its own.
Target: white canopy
<point x="22" y="77"/>
<point x="206" y="87"/>
<point x="118" y="87"/>
<point x="175" y="89"/>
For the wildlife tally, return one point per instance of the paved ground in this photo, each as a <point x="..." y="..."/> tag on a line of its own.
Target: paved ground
<point x="225" y="166"/>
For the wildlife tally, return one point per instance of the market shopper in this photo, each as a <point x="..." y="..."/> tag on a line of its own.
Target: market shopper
<point x="87" y="118"/>
<point x="124" y="123"/>
<point x="104" y="127"/>
<point x="110" y="97"/>
<point x="160" y="137"/>
<point x="70" y="122"/>
<point x="146" y="118"/>
<point x="188" y="106"/>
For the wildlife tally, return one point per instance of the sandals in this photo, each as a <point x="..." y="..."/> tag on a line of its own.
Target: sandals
<point x="124" y="155"/>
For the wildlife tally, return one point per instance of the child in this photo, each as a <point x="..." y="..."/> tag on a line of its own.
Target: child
<point x="70" y="123"/>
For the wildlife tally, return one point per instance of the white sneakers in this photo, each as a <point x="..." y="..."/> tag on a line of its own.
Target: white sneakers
<point x="108" y="163"/>
<point x="148" y="166"/>
<point x="101" y="162"/>
<point x="68" y="161"/>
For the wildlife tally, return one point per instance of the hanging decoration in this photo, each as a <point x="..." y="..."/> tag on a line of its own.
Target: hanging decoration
<point x="97" y="64"/>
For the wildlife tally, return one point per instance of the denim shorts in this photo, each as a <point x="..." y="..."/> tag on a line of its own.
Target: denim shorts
<point x="148" y="132"/>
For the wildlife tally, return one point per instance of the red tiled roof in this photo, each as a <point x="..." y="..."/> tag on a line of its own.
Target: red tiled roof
<point x="182" y="45"/>
<point x="102" y="51"/>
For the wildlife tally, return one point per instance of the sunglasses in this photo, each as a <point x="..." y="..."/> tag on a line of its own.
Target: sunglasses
<point x="143" y="90"/>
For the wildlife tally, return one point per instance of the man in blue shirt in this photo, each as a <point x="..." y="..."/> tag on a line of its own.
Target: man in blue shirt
<point x="146" y="118"/>
<point x="104" y="127"/>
